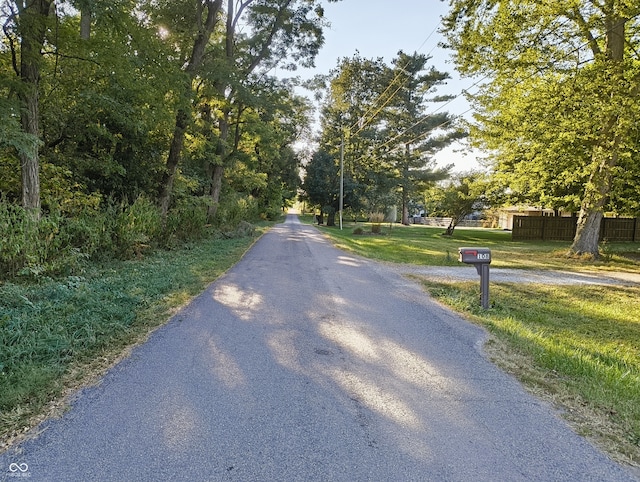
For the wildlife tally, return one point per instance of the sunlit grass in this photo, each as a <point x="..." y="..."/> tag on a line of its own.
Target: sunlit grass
<point x="576" y="345"/>
<point x="57" y="333"/>
<point x="425" y="245"/>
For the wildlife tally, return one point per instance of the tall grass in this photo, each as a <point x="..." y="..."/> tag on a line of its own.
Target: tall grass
<point x="234" y="209"/>
<point x="137" y="227"/>
<point x="61" y="244"/>
<point x="54" y="331"/>
<point x="32" y="247"/>
<point x="376" y="220"/>
<point x="187" y="221"/>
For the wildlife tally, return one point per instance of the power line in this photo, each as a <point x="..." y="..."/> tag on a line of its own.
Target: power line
<point x="517" y="82"/>
<point x="362" y="124"/>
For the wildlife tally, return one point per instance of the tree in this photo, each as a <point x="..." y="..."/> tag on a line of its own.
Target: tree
<point x="106" y="114"/>
<point x="415" y="135"/>
<point x="26" y="27"/>
<point x="457" y="198"/>
<point x="321" y="184"/>
<point x="101" y="103"/>
<point x="206" y="16"/>
<point x="347" y="94"/>
<point x="102" y="98"/>
<point x="263" y="132"/>
<point x="279" y="29"/>
<point x="221" y="67"/>
<point x="562" y="95"/>
<point x="283" y="118"/>
<point x="389" y="136"/>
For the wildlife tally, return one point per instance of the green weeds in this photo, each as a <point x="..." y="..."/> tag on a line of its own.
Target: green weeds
<point x="55" y="333"/>
<point x="61" y="244"/>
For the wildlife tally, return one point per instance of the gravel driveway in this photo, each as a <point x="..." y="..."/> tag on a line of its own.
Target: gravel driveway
<point x="506" y="275"/>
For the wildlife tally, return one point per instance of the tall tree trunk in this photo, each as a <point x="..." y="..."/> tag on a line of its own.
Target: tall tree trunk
<point x="216" y="191"/>
<point x="32" y="26"/>
<point x="223" y="123"/>
<point x="85" y="24"/>
<point x="85" y="7"/>
<point x="605" y="155"/>
<point x="450" y="228"/>
<point x="206" y="25"/>
<point x="588" y="232"/>
<point x="595" y="198"/>
<point x="218" y="170"/>
<point x="173" y="159"/>
<point x="405" y="207"/>
<point x="30" y="161"/>
<point x="331" y="217"/>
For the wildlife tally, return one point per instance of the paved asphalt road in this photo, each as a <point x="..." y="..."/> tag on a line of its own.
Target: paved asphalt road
<point x="304" y="363"/>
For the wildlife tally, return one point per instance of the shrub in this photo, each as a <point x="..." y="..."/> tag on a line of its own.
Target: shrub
<point x="272" y="212"/>
<point x="138" y="227"/>
<point x="17" y="236"/>
<point x="234" y="209"/>
<point x="243" y="230"/>
<point x="91" y="231"/>
<point x="376" y="219"/>
<point x="32" y="248"/>
<point x="187" y="220"/>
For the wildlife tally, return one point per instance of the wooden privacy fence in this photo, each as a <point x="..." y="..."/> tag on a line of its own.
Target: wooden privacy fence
<point x="550" y="228"/>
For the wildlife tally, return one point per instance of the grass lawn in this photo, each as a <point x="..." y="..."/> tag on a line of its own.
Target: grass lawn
<point x="56" y="335"/>
<point x="425" y="245"/>
<point x="575" y="346"/>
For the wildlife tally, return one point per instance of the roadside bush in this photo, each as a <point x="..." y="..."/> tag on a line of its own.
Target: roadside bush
<point x="31" y="248"/>
<point x="235" y="209"/>
<point x="92" y="231"/>
<point x="187" y="220"/>
<point x="138" y="227"/>
<point x="270" y="203"/>
<point x="272" y="212"/>
<point x="243" y="230"/>
<point x="18" y="233"/>
<point x="376" y="220"/>
<point x="60" y="242"/>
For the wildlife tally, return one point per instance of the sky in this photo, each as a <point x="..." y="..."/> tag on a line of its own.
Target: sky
<point x="380" y="28"/>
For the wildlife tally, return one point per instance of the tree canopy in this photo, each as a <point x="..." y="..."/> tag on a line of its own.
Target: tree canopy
<point x="457" y="198"/>
<point x="559" y="106"/>
<point x="167" y="99"/>
<point x="385" y="120"/>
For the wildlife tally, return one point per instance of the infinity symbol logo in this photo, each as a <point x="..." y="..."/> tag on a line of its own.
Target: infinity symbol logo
<point x="18" y="467"/>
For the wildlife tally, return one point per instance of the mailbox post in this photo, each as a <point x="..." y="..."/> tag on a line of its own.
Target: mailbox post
<point x="481" y="259"/>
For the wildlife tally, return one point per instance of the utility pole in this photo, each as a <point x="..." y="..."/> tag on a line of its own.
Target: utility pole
<point x="341" y="177"/>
